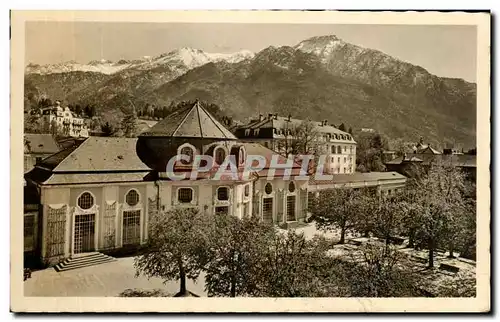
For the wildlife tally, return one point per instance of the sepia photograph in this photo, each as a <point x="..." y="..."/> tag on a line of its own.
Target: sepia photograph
<point x="250" y="161"/>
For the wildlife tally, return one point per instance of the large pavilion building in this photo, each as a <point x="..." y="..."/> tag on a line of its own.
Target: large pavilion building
<point x="97" y="194"/>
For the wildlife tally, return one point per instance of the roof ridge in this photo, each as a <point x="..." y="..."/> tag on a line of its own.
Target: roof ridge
<point x="183" y="120"/>
<point x="216" y="123"/>
<point x="79" y="145"/>
<point x="199" y="118"/>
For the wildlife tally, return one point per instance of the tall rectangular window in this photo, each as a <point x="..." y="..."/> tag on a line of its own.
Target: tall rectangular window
<point x="290" y="208"/>
<point x="310" y="200"/>
<point x="267" y="210"/>
<point x="131" y="227"/>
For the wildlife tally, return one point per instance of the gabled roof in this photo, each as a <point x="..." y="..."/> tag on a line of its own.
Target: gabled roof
<point x="94" y="160"/>
<point x="190" y="122"/>
<point x="457" y="160"/>
<point x="40" y="143"/>
<point x="280" y="122"/>
<point x="97" y="154"/>
<point x="428" y="150"/>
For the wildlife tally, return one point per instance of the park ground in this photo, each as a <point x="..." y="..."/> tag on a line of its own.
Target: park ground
<point x="111" y="279"/>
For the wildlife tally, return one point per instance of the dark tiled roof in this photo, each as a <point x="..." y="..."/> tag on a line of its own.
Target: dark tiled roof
<point x="65" y="143"/>
<point x="190" y="122"/>
<point x="358" y="177"/>
<point x="97" y="154"/>
<point x="280" y="122"/>
<point x="427" y="149"/>
<point x="31" y="195"/>
<point x="457" y="160"/>
<point x="40" y="143"/>
<point x="258" y="149"/>
<point x="54" y="160"/>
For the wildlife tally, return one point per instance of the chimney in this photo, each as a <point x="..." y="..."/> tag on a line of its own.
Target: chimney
<point x="325" y="122"/>
<point x="404" y="157"/>
<point x="270" y="116"/>
<point x="289" y="117"/>
<point x="275" y="116"/>
<point x="261" y="117"/>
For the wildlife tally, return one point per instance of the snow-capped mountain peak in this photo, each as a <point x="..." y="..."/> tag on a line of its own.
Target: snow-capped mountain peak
<point x="321" y="46"/>
<point x="184" y="58"/>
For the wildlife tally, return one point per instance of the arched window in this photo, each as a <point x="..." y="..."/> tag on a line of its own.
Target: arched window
<point x="132" y="198"/>
<point x="222" y="193"/>
<point x="219" y="155"/>
<point x="339" y="149"/>
<point x="86" y="200"/>
<point x="291" y="186"/>
<point x="269" y="188"/>
<point x="189" y="152"/>
<point x="241" y="156"/>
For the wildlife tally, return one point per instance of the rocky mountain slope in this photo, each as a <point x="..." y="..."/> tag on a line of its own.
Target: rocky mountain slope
<point x="319" y="78"/>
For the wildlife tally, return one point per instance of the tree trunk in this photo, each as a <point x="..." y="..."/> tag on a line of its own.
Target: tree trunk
<point x="411" y="238"/>
<point x="451" y="250"/>
<point x="342" y="235"/>
<point x="182" y="274"/>
<point x="233" y="287"/>
<point x="431" y="253"/>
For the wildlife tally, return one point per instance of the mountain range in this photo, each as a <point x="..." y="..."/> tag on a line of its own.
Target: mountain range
<point x="320" y="78"/>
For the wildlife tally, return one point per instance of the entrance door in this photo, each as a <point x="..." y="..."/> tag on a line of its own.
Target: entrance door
<point x="84" y="233"/>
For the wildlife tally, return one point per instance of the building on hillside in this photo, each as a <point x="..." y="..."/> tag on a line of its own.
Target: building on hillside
<point x="279" y="134"/>
<point x="62" y="121"/>
<point x="409" y="163"/>
<point x="388" y="155"/>
<point x="37" y="147"/>
<point x="97" y="194"/>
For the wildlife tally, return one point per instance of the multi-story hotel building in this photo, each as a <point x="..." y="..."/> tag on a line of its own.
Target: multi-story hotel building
<point x="66" y="123"/>
<point x="278" y="133"/>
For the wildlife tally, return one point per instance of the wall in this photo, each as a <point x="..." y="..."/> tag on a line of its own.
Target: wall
<point x="55" y="197"/>
<point x="279" y="194"/>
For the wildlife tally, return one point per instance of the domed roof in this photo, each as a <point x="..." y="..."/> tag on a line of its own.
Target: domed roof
<point x="192" y="121"/>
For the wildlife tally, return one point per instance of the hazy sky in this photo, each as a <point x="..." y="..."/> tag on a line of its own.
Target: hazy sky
<point x="443" y="50"/>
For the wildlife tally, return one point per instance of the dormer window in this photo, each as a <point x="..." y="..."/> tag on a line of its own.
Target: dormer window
<point x="219" y="155"/>
<point x="187" y="151"/>
<point x="241" y="156"/>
